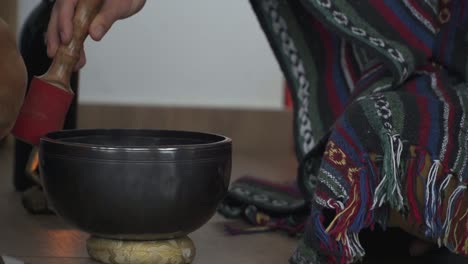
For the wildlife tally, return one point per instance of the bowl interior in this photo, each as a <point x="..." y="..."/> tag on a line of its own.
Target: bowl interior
<point x="128" y="138"/>
<point x="132" y="141"/>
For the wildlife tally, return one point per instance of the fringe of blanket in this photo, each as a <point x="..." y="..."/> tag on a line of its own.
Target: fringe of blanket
<point x="340" y="238"/>
<point x="389" y="188"/>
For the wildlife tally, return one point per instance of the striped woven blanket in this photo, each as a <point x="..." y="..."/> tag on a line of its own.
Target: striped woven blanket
<point x="380" y="118"/>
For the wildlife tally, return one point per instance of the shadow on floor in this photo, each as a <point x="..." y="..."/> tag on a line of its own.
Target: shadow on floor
<point x="392" y="247"/>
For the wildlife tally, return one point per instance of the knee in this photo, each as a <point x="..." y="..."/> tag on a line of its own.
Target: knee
<point x="13" y="80"/>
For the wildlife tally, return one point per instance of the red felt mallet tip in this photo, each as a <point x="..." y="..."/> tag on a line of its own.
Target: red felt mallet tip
<point x="44" y="110"/>
<point x="49" y="97"/>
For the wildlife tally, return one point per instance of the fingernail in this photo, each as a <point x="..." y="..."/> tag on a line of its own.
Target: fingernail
<point x="99" y="31"/>
<point x="62" y="36"/>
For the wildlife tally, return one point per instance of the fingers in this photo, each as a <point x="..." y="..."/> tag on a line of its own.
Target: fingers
<point x="81" y="62"/>
<point x="52" y="36"/>
<point x="136" y="7"/>
<point x="110" y="12"/>
<point x="66" y="10"/>
<point x="60" y="26"/>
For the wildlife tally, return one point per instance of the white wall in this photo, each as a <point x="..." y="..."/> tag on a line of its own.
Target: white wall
<point x="186" y="53"/>
<point x="24" y="7"/>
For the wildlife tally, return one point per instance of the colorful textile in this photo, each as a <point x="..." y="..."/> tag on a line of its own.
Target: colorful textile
<point x="380" y="118"/>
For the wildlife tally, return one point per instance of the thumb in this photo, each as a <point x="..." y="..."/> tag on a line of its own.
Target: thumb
<point x="102" y="23"/>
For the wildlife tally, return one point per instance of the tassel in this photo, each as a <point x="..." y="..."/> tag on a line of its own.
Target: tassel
<point x="359" y="219"/>
<point x="355" y="250"/>
<point x="361" y="251"/>
<point x="350" y="252"/>
<point x="442" y="188"/>
<point x="430" y="209"/>
<point x="448" y="218"/>
<point x="352" y="248"/>
<point x="462" y="245"/>
<point x="396" y="165"/>
<point x="379" y="192"/>
<point x="341" y="222"/>
<point x="350" y="220"/>
<point x="389" y="188"/>
<point x="458" y="244"/>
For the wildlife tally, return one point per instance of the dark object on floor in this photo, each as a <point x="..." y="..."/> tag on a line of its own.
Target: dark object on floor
<point x="34" y="201"/>
<point x="34" y="52"/>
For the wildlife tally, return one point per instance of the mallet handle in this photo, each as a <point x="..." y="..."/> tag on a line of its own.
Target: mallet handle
<point x="67" y="56"/>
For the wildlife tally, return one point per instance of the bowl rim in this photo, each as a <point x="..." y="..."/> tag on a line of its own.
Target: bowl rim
<point x="49" y="139"/>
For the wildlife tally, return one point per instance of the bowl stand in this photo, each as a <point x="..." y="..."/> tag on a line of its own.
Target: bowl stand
<point x="173" y="251"/>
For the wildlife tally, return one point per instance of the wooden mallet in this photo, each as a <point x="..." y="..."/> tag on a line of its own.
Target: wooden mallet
<point x="50" y="95"/>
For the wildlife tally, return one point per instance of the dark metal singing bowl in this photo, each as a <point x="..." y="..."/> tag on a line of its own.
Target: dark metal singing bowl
<point x="135" y="184"/>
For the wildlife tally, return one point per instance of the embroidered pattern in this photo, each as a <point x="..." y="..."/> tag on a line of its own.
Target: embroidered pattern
<point x="297" y="67"/>
<point x="379" y="43"/>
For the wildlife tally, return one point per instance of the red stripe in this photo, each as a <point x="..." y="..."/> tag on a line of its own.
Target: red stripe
<point x="343" y="222"/>
<point x="346" y="137"/>
<point x="428" y="16"/>
<point x="462" y="12"/>
<point x="423" y="107"/>
<point x="333" y="100"/>
<point x="425" y="122"/>
<point x="369" y="213"/>
<point x="398" y="25"/>
<point x="370" y="69"/>
<point x="368" y="77"/>
<point x="411" y="87"/>
<point x="321" y="194"/>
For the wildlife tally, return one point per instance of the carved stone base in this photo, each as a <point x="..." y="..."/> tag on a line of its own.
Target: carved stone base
<point x="173" y="251"/>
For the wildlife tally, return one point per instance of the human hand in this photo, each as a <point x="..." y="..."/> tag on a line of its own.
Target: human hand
<point x="60" y="28"/>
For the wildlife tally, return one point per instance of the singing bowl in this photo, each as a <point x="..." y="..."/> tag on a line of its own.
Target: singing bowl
<point x="134" y="184"/>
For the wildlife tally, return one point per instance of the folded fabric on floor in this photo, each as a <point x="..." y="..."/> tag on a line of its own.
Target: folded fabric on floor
<point x="380" y="118"/>
<point x="266" y="206"/>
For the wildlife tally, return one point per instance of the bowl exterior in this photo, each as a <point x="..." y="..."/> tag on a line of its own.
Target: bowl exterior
<point x="135" y="199"/>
